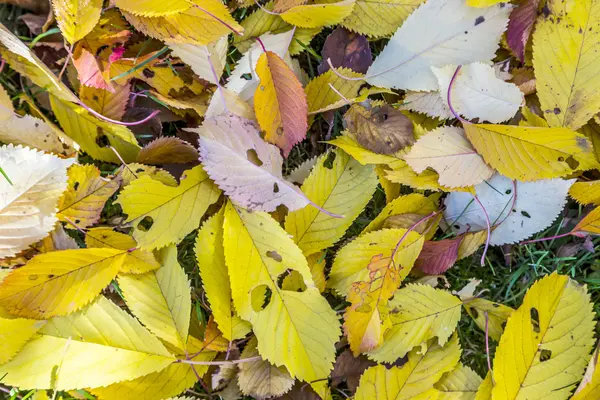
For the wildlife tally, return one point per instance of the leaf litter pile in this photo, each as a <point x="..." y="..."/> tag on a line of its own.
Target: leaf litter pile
<point x="294" y="199"/>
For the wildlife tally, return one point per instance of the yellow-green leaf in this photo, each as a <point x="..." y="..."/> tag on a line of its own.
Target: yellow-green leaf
<point x="418" y="313"/>
<point x="77" y="18"/>
<point x="319" y="94"/>
<point x="590" y="223"/>
<point x="359" y="153"/>
<point x="210" y="256"/>
<point x="531" y="153"/>
<point x="351" y="261"/>
<point x="97" y="346"/>
<point x="258" y="251"/>
<point x="415" y="379"/>
<point x="497" y="314"/>
<point x="413" y="203"/>
<point x="377" y="18"/>
<point x="171" y="212"/>
<point x="546" y="343"/>
<point x="339" y="185"/>
<point x="320" y="14"/>
<point x="59" y="282"/>
<point x="153" y="8"/>
<point x="565" y="53"/>
<point x="589" y="388"/>
<point x="459" y="384"/>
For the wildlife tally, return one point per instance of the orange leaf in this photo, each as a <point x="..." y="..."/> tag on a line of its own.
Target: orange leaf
<point x="89" y="72"/>
<point x="280" y="103"/>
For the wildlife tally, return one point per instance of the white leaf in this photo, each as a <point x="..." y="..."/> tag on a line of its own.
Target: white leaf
<point x="450" y="154"/>
<point x="197" y="57"/>
<point x="478" y="93"/>
<point x="278" y="44"/>
<point x="537" y="205"/>
<point x="430" y="103"/>
<point x="438" y="33"/>
<point x="244" y="166"/>
<point x="28" y="206"/>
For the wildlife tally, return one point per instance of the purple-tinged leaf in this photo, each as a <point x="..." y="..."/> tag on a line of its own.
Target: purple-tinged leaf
<point x="346" y="49"/>
<point x="520" y="25"/>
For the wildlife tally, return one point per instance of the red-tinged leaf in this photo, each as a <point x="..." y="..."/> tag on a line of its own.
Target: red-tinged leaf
<point x="167" y="150"/>
<point x="438" y="257"/>
<point x="520" y="25"/>
<point x="89" y="72"/>
<point x="280" y="103"/>
<point x="346" y="49"/>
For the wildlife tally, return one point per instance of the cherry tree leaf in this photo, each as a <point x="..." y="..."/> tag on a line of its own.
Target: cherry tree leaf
<point x="167" y="149"/>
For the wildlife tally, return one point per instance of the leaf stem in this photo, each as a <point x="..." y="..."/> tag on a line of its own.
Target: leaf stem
<point x="347" y="78"/>
<point x="240" y="361"/>
<point x="261" y="44"/>
<point x="425" y="218"/>
<point x="114" y="121"/>
<point x="547" y="238"/>
<point x="489" y="229"/>
<point x="218" y="19"/>
<point x="449" y="97"/>
<point x="265" y="10"/>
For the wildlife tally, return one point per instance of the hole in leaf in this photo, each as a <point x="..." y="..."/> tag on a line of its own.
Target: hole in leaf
<point x="260" y="297"/>
<point x="474" y="313"/>
<point x="561" y="159"/>
<point x="76" y="186"/>
<point x="535" y="319"/>
<point x="291" y="280"/>
<point x="253" y="157"/>
<point x="274" y="255"/>
<point x="145" y="224"/>
<point x="101" y="138"/>
<point x="545" y="355"/>
<point x="503" y="325"/>
<point x="328" y="163"/>
<point x="525" y="214"/>
<point x="275" y="188"/>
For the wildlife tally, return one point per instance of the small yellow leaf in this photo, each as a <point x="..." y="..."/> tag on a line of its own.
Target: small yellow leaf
<point x="377" y="18"/>
<point x="133" y="171"/>
<point x="497" y="315"/>
<point x="317" y="15"/>
<point x="359" y="153"/>
<point x="59" y="282"/>
<point x="590" y="223"/>
<point x="586" y="192"/>
<point x="321" y="97"/>
<point x="163" y="214"/>
<point x="546" y="343"/>
<point x="86" y="194"/>
<point x="413" y="203"/>
<point x="77" y="18"/>
<point x="413" y="380"/>
<point x="470" y="243"/>
<point x="459" y="384"/>
<point x="589" y="388"/>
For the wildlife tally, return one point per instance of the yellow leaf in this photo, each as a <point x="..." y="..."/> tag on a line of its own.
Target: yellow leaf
<point x="77" y="18"/>
<point x="470" y="243"/>
<point x="109" y="104"/>
<point x="295" y="329"/>
<point x="366" y="319"/>
<point x="568" y="42"/>
<point x="171" y="212"/>
<point x="482" y="3"/>
<point x="497" y="315"/>
<point x="589" y="388"/>
<point x="257" y="24"/>
<point x="317" y="264"/>
<point x="97" y="346"/>
<point x="204" y="22"/>
<point x="320" y="14"/>
<point x="415" y="379"/>
<point x="161" y="299"/>
<point x="378" y="18"/>
<point x="546" y="343"/>
<point x="351" y="261"/>
<point x="413" y="203"/>
<point x="449" y="153"/>
<point x="530" y="153"/>
<point x="280" y="103"/>
<point x="339" y="185"/>
<point x="28" y="205"/>
<point x="59" y="282"/>
<point x="136" y="261"/>
<point x="93" y="135"/>
<point x="418" y="313"/>
<point x="359" y="153"/>
<point x="485" y="389"/>
<point x="590" y="223"/>
<point x="153" y="8"/>
<point x="14" y="333"/>
<point x="259" y="378"/>
<point x="319" y="94"/>
<point x="586" y="192"/>
<point x="459" y="384"/>
<point x="85" y="196"/>
<point x="210" y="256"/>
<point x="391" y="189"/>
<point x="133" y="171"/>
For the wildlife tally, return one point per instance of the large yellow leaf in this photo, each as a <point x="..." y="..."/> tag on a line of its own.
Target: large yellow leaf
<point x="378" y="18"/>
<point x="589" y="388"/>
<point x="280" y="103"/>
<point x="459" y="384"/>
<point x="415" y="379"/>
<point x="210" y="256"/>
<point x="77" y="18"/>
<point x="161" y="299"/>
<point x="93" y="135"/>
<point x="418" y="313"/>
<point x="14" y="333"/>
<point x="339" y="185"/>
<point x="546" y="343"/>
<point x="59" y="282"/>
<point x="565" y="54"/>
<point x="172" y="212"/>
<point x="586" y="192"/>
<point x="204" y="22"/>
<point x="527" y="153"/>
<point x="590" y="223"/>
<point x="351" y="261"/>
<point x="295" y="329"/>
<point x="28" y="205"/>
<point x="317" y="15"/>
<point x="153" y="8"/>
<point x="261" y="379"/>
<point x="413" y="203"/>
<point x="85" y="196"/>
<point x="136" y="261"/>
<point x="97" y="346"/>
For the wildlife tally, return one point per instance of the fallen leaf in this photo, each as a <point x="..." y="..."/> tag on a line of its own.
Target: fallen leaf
<point x="437" y="257"/>
<point x="346" y="50"/>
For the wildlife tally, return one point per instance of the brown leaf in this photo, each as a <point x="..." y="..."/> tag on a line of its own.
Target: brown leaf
<point x="381" y="129"/>
<point x="152" y="127"/>
<point x="166" y="150"/>
<point x="300" y="391"/>
<point x="437" y="257"/>
<point x="348" y="369"/>
<point x="346" y="49"/>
